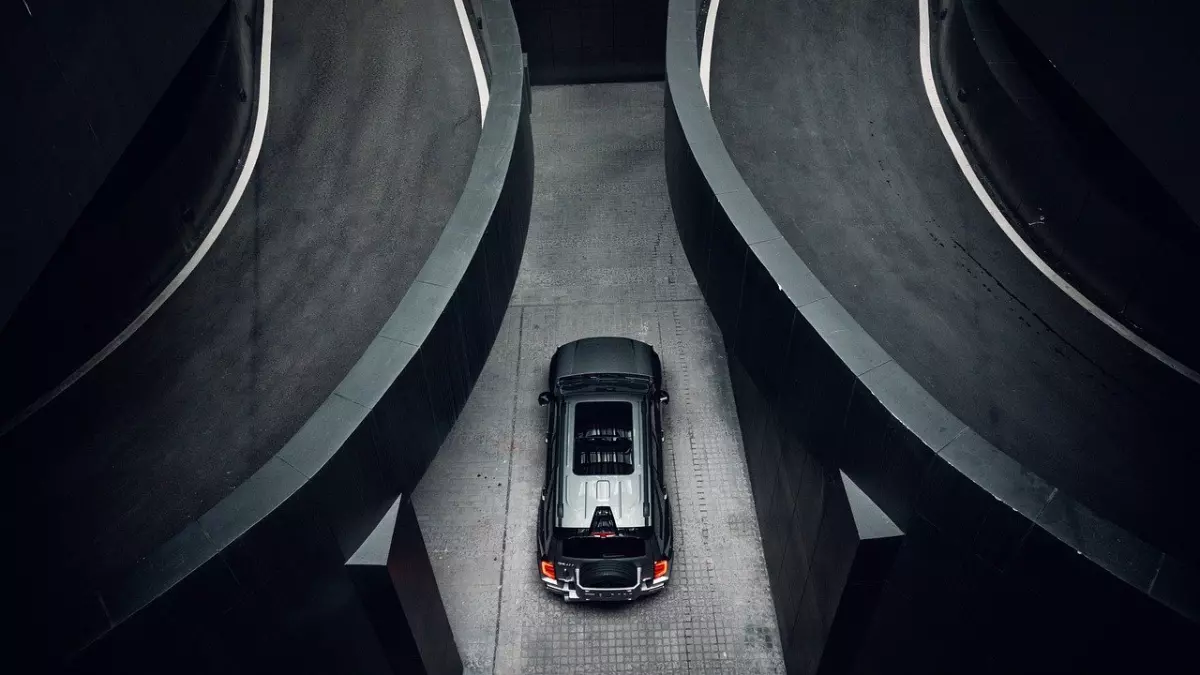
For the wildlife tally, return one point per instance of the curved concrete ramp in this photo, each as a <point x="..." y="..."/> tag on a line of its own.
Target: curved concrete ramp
<point x="843" y="151"/>
<point x="373" y="124"/>
<point x="996" y="570"/>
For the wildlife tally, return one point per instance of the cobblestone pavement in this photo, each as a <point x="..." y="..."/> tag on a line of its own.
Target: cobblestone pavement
<point x="602" y="258"/>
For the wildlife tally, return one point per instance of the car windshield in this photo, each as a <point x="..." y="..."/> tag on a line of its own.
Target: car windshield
<point x="604" y="382"/>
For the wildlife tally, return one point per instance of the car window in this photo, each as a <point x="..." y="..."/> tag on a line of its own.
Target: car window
<point x="603" y="438"/>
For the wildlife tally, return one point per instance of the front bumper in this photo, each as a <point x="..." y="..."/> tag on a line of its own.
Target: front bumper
<point x="572" y="591"/>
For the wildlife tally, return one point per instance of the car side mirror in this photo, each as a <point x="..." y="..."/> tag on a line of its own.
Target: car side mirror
<point x="544" y="398"/>
<point x="664" y="397"/>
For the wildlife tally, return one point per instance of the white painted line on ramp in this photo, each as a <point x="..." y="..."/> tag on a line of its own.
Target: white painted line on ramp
<point x="239" y="187"/>
<point x="960" y="156"/>
<point x="706" y="47"/>
<point x="476" y="62"/>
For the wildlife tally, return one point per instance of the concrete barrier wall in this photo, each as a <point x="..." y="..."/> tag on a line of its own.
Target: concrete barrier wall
<point x="996" y="571"/>
<point x="1128" y="61"/>
<point x="577" y="41"/>
<point x="1072" y="188"/>
<point x="157" y="203"/>
<point x="284" y="575"/>
<point x="86" y="76"/>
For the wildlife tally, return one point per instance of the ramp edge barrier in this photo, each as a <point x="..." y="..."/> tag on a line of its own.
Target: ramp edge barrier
<point x="998" y="569"/>
<point x="1071" y="190"/>
<point x="169" y="185"/>
<point x="260" y="583"/>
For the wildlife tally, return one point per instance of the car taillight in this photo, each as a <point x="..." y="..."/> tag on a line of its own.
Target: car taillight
<point x="548" y="569"/>
<point x="661" y="568"/>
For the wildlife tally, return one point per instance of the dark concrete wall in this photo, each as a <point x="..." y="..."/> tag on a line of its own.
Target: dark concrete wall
<point x="577" y="41"/>
<point x="260" y="583"/>
<point x="144" y="222"/>
<point x="1135" y="64"/>
<point x="1089" y="205"/>
<point x="997" y="571"/>
<point x="394" y="580"/>
<point x="83" y="76"/>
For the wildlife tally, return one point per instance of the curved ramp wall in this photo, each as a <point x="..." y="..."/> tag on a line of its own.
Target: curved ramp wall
<point x="1071" y="187"/>
<point x="86" y="76"/>
<point x="995" y="570"/>
<point x="315" y="563"/>
<point x="156" y="205"/>
<point x="1128" y="64"/>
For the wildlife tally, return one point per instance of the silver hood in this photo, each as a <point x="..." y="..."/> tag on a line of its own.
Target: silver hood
<point x="623" y="494"/>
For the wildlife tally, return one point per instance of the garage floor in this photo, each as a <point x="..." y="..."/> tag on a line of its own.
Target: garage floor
<point x="602" y="258"/>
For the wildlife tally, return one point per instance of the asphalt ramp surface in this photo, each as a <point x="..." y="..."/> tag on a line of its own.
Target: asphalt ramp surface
<point x="373" y="125"/>
<point x="823" y="109"/>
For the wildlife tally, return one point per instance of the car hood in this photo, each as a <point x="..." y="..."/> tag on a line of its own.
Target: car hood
<point x="622" y="494"/>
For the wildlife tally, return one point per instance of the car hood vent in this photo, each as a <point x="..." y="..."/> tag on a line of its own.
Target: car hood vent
<point x="603" y="521"/>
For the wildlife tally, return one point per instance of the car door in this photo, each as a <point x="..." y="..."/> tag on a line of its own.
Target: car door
<point x="661" y="506"/>
<point x="549" y="482"/>
<point x="552" y="411"/>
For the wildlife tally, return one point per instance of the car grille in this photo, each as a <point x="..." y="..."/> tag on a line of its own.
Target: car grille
<point x="608" y="575"/>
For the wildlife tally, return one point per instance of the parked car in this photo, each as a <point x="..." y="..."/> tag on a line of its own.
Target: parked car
<point x="604" y="525"/>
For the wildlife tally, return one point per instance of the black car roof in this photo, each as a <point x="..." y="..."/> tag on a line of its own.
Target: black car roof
<point x="596" y="355"/>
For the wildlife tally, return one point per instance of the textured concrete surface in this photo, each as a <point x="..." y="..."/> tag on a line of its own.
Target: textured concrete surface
<point x="602" y="258"/>
<point x="373" y="124"/>
<point x="842" y="149"/>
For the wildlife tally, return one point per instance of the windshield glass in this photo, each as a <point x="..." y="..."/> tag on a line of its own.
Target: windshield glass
<point x="629" y="383"/>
